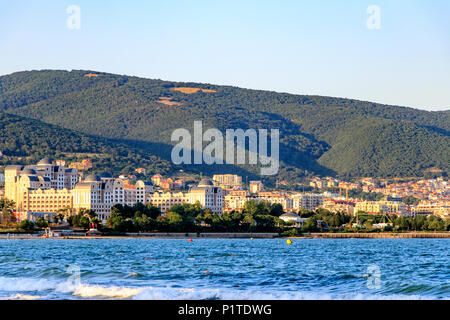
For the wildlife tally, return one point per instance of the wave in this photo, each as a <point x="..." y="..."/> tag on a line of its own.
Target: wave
<point x="22" y="287"/>
<point x="25" y="284"/>
<point x="231" y="294"/>
<point x="19" y="296"/>
<point x="94" y="291"/>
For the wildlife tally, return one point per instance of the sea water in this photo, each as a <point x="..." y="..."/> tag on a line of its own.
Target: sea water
<point x="225" y="269"/>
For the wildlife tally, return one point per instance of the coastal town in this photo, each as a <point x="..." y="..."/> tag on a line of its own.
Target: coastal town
<point x="44" y="189"/>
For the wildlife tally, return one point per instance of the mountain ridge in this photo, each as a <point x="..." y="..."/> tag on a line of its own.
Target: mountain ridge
<point x="314" y="129"/>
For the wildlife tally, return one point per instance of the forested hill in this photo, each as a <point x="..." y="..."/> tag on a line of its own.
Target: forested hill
<point x="319" y="135"/>
<point x="26" y="141"/>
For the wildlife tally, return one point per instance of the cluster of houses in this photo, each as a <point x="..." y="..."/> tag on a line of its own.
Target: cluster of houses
<point x="433" y="195"/>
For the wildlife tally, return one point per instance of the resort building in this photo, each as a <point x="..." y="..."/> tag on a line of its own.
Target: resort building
<point x="47" y="200"/>
<point x="166" y="200"/>
<point x="25" y="185"/>
<point x="381" y="207"/>
<point x="227" y="180"/>
<point x="307" y="201"/>
<point x="94" y="194"/>
<point x="256" y="186"/>
<point x="205" y="193"/>
<point x="342" y="206"/>
<point x="208" y="195"/>
<point x="440" y="208"/>
<point x="143" y="189"/>
<point x="235" y="200"/>
<point x="47" y="188"/>
<point x="275" y="197"/>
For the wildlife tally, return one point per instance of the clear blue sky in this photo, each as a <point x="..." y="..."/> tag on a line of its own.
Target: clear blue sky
<point x="305" y="47"/>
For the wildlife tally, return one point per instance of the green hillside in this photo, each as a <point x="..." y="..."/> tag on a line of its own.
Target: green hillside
<point x="319" y="135"/>
<point x="26" y="141"/>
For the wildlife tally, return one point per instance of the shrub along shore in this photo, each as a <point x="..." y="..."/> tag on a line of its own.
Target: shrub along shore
<point x="255" y="218"/>
<point x="241" y="235"/>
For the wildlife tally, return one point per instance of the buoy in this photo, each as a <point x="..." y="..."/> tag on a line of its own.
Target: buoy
<point x="206" y="271"/>
<point x="251" y="238"/>
<point x="190" y="240"/>
<point x="289" y="241"/>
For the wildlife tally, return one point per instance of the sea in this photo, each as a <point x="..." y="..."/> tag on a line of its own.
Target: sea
<point x="216" y="269"/>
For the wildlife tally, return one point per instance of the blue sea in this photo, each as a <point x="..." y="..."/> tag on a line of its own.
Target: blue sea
<point x="225" y="269"/>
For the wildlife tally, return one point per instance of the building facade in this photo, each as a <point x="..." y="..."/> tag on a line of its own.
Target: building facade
<point x="47" y="188"/>
<point x="227" y="180"/>
<point x="307" y="201"/>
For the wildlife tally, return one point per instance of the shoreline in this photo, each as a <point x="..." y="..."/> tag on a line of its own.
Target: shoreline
<point x="232" y="235"/>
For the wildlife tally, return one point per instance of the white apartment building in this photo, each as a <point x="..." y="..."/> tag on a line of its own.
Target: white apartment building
<point x="307" y="201"/>
<point x="256" y="186"/>
<point x="275" y="197"/>
<point x="94" y="194"/>
<point x="209" y="196"/>
<point x="166" y="200"/>
<point x="227" y="180"/>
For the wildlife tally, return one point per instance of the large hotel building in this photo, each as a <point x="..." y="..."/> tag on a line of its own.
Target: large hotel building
<point x="46" y="188"/>
<point x="209" y="196"/>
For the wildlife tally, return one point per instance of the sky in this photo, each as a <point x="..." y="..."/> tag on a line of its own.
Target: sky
<point x="394" y="52"/>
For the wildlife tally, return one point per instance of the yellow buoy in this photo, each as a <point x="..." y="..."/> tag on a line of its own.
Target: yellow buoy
<point x="289" y="241"/>
<point x="251" y="238"/>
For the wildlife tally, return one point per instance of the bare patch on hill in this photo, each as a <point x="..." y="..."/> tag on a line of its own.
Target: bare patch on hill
<point x="90" y="75"/>
<point x="168" y="101"/>
<point x="189" y="90"/>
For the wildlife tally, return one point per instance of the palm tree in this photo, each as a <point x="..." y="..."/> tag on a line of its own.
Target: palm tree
<point x="64" y="213"/>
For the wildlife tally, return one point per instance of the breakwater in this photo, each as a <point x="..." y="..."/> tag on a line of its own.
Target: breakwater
<point x="384" y="235"/>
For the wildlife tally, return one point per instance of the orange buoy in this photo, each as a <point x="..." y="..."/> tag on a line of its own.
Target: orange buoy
<point x="206" y="271"/>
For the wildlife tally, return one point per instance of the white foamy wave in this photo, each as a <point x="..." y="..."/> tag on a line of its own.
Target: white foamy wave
<point x="25" y="284"/>
<point x="20" y="288"/>
<point x="91" y="291"/>
<point x="156" y="293"/>
<point x="19" y="285"/>
<point x="19" y="296"/>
